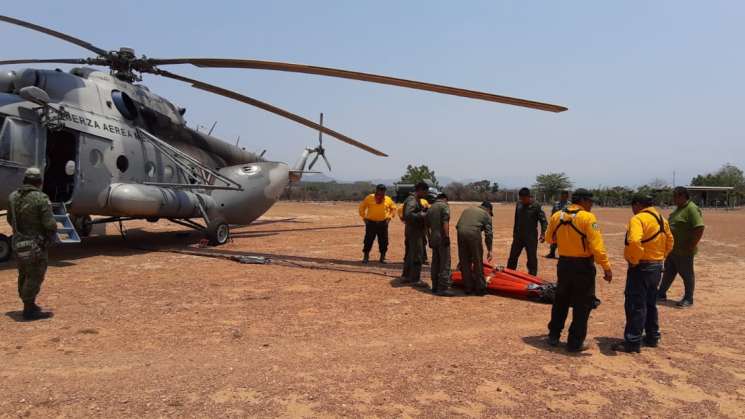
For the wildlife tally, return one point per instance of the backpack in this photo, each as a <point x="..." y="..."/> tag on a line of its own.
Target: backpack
<point x="570" y="223"/>
<point x="27" y="248"/>
<point x="660" y="221"/>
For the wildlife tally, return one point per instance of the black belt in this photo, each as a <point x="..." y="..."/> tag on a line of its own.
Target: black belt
<point x="649" y="263"/>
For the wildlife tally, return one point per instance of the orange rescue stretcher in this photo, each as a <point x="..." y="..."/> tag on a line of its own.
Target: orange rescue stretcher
<point x="500" y="280"/>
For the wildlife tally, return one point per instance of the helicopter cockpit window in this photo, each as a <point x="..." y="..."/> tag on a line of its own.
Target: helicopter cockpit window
<point x="18" y="142"/>
<point x="124" y="104"/>
<point x="150" y="169"/>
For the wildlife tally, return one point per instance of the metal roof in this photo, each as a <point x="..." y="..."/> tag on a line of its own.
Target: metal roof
<point x="709" y="188"/>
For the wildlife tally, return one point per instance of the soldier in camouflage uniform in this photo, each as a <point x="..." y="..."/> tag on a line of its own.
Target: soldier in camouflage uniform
<point x="34" y="227"/>
<point x="415" y="219"/>
<point x="438" y="221"/>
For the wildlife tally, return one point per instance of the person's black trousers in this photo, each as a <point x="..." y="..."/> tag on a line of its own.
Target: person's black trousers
<point x="674" y="265"/>
<point x="575" y="288"/>
<point x="531" y="248"/>
<point x="641" y="304"/>
<point x="375" y="229"/>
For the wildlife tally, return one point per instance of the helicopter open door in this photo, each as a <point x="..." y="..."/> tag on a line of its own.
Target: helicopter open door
<point x="61" y="165"/>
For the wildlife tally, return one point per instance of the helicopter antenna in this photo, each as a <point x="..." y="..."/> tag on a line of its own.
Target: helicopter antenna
<point x="213" y="128"/>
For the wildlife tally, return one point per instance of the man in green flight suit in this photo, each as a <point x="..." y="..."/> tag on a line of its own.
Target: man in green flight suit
<point x="528" y="215"/>
<point x="560" y="205"/>
<point x="438" y="221"/>
<point x="34" y="227"/>
<point x="415" y="218"/>
<point x="472" y="222"/>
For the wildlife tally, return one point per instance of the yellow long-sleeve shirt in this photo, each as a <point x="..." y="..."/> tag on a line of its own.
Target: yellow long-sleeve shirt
<point x="570" y="242"/>
<point x="643" y="227"/>
<point x="373" y="211"/>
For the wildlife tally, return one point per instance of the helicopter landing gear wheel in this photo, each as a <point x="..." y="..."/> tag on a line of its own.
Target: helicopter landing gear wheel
<point x="83" y="224"/>
<point x="218" y="232"/>
<point x="5" y="248"/>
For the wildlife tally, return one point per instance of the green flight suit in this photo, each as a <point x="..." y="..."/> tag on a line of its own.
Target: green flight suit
<point x="437" y="216"/>
<point x="33" y="217"/>
<point x="525" y="235"/>
<point x="471" y="224"/>
<point x="414" y="233"/>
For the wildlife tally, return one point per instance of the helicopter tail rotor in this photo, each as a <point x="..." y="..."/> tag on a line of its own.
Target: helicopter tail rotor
<point x="319" y="151"/>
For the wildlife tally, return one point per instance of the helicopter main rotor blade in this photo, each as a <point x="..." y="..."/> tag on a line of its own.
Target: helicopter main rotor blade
<point x="270" y="108"/>
<point x="60" y="35"/>
<point x="354" y="75"/>
<point x="85" y="61"/>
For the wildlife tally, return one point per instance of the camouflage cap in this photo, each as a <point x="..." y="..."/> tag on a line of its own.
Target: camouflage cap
<point x="32" y="174"/>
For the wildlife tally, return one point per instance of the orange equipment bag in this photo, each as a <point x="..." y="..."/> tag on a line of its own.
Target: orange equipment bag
<point x="505" y="281"/>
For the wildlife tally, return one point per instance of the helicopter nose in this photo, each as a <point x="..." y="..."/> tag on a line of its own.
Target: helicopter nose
<point x="278" y="179"/>
<point x="262" y="184"/>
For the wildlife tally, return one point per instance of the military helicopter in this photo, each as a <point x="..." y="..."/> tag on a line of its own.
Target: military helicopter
<point x="107" y="146"/>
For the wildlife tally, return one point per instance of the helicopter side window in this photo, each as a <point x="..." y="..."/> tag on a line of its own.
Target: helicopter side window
<point x="150" y="169"/>
<point x="18" y="142"/>
<point x="124" y="104"/>
<point x="4" y="145"/>
<point x="122" y="163"/>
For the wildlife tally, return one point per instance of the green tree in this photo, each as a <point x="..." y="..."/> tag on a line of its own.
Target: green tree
<point x="550" y="184"/>
<point x="494" y="187"/>
<point x="421" y="173"/>
<point x="727" y="175"/>
<point x="456" y="191"/>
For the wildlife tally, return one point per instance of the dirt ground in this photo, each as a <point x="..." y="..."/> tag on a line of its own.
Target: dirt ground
<point x="153" y="334"/>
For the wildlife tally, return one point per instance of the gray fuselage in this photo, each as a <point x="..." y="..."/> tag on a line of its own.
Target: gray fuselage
<point x="111" y="163"/>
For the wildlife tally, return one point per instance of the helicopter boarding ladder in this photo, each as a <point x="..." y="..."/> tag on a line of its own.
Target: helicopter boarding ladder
<point x="66" y="232"/>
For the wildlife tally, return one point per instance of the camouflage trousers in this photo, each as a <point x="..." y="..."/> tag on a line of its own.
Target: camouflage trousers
<point x="30" y="277"/>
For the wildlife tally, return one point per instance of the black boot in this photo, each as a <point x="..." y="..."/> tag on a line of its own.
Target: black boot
<point x="30" y="312"/>
<point x="444" y="293"/>
<point x="366" y="257"/>
<point x="629" y="348"/>
<point x="382" y="258"/>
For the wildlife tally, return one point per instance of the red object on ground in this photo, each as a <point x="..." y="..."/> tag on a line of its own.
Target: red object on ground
<point x="510" y="282"/>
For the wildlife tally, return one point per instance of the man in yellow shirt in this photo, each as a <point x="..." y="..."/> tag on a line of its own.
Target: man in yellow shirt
<point x="575" y="232"/>
<point x="376" y="210"/>
<point x="648" y="242"/>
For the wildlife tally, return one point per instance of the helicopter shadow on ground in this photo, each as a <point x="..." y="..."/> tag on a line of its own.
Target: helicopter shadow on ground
<point x="137" y="241"/>
<point x="260" y="222"/>
<point x="320" y="263"/>
<point x="291" y="230"/>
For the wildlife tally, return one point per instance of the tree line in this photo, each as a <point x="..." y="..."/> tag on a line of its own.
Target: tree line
<point x="546" y="188"/>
